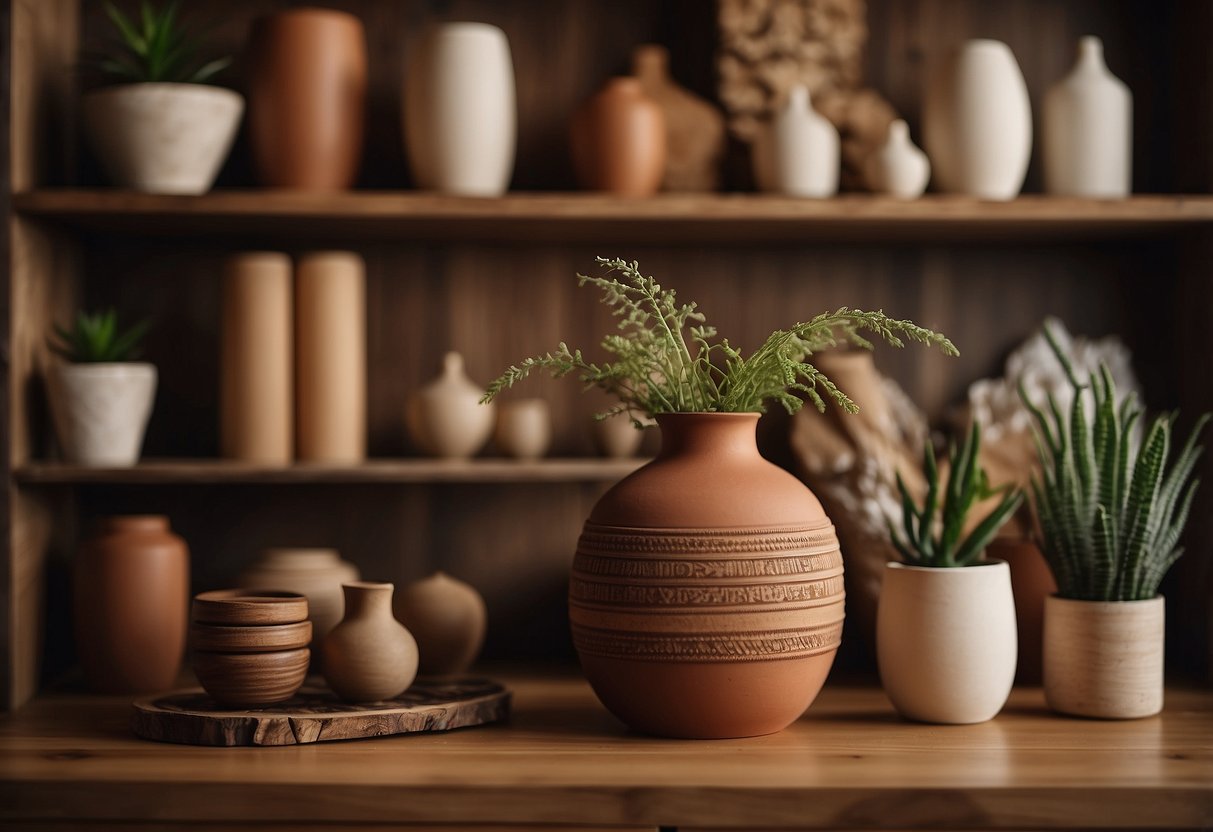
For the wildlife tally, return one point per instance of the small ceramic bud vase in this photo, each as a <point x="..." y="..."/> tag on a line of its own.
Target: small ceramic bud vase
<point x="524" y="428"/>
<point x="448" y="619"/>
<point x="898" y="168"/>
<point x="1088" y="129"/>
<point x="798" y="154"/>
<point x="369" y="656"/>
<point x="446" y="418"/>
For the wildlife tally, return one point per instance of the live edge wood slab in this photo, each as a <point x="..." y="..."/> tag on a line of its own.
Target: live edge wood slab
<point x="316" y="715"/>
<point x="563" y="762"/>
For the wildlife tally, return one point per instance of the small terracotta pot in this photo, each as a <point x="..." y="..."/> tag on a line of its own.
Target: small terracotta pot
<point x="524" y="428"/>
<point x="369" y="656"/>
<point x="1032" y="583"/>
<point x="447" y="617"/>
<point x="618" y="140"/>
<point x="1104" y="658"/>
<point x="132" y="581"/>
<point x="242" y="680"/>
<point x="307" y="97"/>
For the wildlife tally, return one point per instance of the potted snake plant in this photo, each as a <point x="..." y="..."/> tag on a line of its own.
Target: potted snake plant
<point x="946" y="641"/>
<point x="157" y="125"/>
<point x="101" y="397"/>
<point x="1112" y="502"/>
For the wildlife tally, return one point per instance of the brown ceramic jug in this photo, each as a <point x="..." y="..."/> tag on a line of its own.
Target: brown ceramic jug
<point x="307" y="98"/>
<point x="447" y="617"/>
<point x="706" y="599"/>
<point x="618" y="140"/>
<point x="132" y="586"/>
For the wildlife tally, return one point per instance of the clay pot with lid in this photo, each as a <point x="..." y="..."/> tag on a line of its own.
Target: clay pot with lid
<point x="618" y="140"/>
<point x="131" y="596"/>
<point x="706" y="599"/>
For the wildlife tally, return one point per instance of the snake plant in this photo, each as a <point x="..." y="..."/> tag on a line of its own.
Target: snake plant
<point x="1111" y="505"/>
<point x="154" y="47"/>
<point x="941" y="543"/>
<point x="97" y="339"/>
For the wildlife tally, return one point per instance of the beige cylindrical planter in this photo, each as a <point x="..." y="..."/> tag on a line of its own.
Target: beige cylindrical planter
<point x="524" y="428"/>
<point x="330" y="357"/>
<point x="946" y="641"/>
<point x="256" y="387"/>
<point x="1104" y="658"/>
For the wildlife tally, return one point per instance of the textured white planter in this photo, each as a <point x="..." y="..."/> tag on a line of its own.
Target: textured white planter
<point x="1104" y="658"/>
<point x="101" y="410"/>
<point x="898" y="167"/>
<point x="977" y="122"/>
<point x="798" y="154"/>
<point x="1087" y="126"/>
<point x="459" y="110"/>
<point x="163" y="138"/>
<point x="946" y="641"/>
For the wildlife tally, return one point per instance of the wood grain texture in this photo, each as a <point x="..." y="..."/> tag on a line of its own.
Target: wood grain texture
<point x="848" y="763"/>
<point x="316" y="715"/>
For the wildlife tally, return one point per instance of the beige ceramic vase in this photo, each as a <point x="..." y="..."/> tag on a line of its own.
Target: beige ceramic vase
<point x="369" y="656"/>
<point x="447" y="617"/>
<point x="445" y="418"/>
<point x="524" y="428"/>
<point x="706" y="599"/>
<point x="618" y="140"/>
<point x="316" y="573"/>
<point x="617" y="437"/>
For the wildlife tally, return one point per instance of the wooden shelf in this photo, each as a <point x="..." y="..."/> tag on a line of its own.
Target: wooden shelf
<point x="562" y="760"/>
<point x="387" y="471"/>
<point x="586" y="217"/>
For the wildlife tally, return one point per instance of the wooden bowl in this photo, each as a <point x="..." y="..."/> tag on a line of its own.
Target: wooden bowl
<point x="243" y="680"/>
<point x="245" y="607"/>
<point x="214" y="638"/>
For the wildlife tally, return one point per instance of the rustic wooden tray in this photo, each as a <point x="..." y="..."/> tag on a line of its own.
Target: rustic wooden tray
<point x="316" y="715"/>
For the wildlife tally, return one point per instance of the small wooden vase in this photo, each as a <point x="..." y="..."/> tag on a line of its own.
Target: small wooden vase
<point x="369" y="656"/>
<point x="618" y="140"/>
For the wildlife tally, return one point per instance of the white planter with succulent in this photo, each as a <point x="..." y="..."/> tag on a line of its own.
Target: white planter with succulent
<point x="1112" y="506"/>
<point x="159" y="127"/>
<point x="100" y="398"/>
<point x="946" y="639"/>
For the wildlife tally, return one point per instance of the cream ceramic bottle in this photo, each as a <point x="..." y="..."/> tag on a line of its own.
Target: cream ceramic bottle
<point x="798" y="153"/>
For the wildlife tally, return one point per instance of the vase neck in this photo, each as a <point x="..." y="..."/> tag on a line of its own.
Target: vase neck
<point x="364" y="599"/>
<point x="717" y="434"/>
<point x="1090" y="54"/>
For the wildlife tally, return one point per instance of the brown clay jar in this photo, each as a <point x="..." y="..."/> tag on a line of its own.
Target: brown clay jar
<point x="618" y="140"/>
<point x="447" y="617"/>
<point x="307" y="98"/>
<point x="369" y="656"/>
<point x="706" y="599"/>
<point x="132" y="586"/>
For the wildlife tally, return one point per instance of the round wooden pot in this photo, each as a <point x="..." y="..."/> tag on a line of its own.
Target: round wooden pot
<point x="132" y="581"/>
<point x="1104" y="658"/>
<point x="618" y="140"/>
<point x="706" y="599"/>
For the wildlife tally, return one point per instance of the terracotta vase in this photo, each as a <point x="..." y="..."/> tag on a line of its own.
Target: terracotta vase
<point x="132" y="588"/>
<point x="618" y="140"/>
<point x="706" y="599"/>
<point x="316" y="573"/>
<point x="1032" y="583"/>
<point x="369" y="656"/>
<point x="1104" y="658"/>
<point x="445" y="418"/>
<point x="256" y="389"/>
<point x="330" y="357"/>
<point x="307" y="96"/>
<point x="524" y="428"/>
<point x="101" y="410"/>
<point x="447" y="617"/>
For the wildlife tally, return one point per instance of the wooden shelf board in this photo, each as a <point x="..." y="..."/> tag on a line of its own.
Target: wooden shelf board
<point x="215" y="471"/>
<point x="571" y="217"/>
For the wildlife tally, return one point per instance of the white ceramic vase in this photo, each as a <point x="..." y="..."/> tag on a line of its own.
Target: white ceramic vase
<point x="798" y="153"/>
<point x="946" y="641"/>
<point x="977" y="122"/>
<point x="1087" y="128"/>
<point x="1104" y="658"/>
<point x="898" y="168"/>
<point x="524" y="428"/>
<point x="445" y="418"/>
<point x="459" y="110"/>
<point x="617" y="437"/>
<point x="163" y="138"/>
<point x="101" y="410"/>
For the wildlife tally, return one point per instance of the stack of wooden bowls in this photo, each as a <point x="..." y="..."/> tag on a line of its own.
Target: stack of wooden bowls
<point x="250" y="647"/>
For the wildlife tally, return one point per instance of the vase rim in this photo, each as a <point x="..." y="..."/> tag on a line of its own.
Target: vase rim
<point x="909" y="567"/>
<point x="311" y="553"/>
<point x="135" y="522"/>
<point x="742" y="415"/>
<point x="1058" y="598"/>
<point x="368" y="586"/>
<point x="313" y="11"/>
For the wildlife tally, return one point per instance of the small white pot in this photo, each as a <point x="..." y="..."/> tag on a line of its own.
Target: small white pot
<point x="946" y="641"/>
<point x="101" y="410"/>
<point x="1104" y="658"/>
<point x="798" y="153"/>
<point x="524" y="428"/>
<point x="163" y="138"/>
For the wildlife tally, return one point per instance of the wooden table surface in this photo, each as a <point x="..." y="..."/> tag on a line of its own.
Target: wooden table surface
<point x="848" y="763"/>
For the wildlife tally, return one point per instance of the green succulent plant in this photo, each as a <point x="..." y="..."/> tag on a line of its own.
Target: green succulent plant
<point x="941" y="542"/>
<point x="155" y="48"/>
<point x="1111" y="505"/>
<point x="96" y="338"/>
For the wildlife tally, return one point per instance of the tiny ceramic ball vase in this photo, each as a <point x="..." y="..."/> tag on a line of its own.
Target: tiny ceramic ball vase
<point x="369" y="656"/>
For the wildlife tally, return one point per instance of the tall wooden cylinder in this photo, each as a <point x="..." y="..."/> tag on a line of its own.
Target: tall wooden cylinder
<point x="330" y="356"/>
<point x="256" y="390"/>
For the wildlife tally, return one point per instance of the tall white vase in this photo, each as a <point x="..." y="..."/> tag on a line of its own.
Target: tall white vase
<point x="978" y="122"/>
<point x="798" y="154"/>
<point x="1087" y="125"/>
<point x="459" y="110"/>
<point x="898" y="167"/>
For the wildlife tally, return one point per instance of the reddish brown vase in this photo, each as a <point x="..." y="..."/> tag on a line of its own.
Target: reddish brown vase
<point x="618" y="140"/>
<point x="132" y="587"/>
<point x="307" y="98"/>
<point x="706" y="599"/>
<point x="1031" y="583"/>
